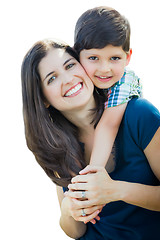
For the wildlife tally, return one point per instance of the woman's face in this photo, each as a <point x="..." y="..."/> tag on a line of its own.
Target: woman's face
<point x="65" y="84"/>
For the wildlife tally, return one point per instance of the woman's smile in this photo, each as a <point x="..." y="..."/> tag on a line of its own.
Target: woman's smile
<point x="75" y="90"/>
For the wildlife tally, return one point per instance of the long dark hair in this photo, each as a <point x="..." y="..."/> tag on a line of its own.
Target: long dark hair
<point x="49" y="135"/>
<point x="99" y="27"/>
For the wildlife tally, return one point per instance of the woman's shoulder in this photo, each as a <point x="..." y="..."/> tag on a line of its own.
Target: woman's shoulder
<point x="141" y="107"/>
<point x="142" y="119"/>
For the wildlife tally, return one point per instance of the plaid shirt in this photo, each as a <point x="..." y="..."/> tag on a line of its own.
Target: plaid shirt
<point x="123" y="90"/>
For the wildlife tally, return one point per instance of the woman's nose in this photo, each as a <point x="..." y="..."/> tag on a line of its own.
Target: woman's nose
<point x="66" y="78"/>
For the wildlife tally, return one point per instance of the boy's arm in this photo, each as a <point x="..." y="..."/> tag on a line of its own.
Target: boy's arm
<point x="105" y="134"/>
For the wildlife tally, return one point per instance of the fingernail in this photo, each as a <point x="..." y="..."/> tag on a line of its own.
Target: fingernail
<point x="72" y="180"/>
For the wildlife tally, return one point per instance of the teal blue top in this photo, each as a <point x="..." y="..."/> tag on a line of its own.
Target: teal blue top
<point x="119" y="220"/>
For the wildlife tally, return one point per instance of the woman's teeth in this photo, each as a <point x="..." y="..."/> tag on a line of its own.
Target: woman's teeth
<point x="73" y="90"/>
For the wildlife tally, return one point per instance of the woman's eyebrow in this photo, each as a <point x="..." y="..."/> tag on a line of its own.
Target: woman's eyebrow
<point x="48" y="75"/>
<point x="67" y="61"/>
<point x="54" y="71"/>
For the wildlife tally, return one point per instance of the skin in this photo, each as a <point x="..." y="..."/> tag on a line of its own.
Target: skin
<point x="61" y="74"/>
<point x="105" y="133"/>
<point x="105" y="66"/>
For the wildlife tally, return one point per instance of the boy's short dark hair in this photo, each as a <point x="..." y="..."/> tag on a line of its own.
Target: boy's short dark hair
<point x="99" y="27"/>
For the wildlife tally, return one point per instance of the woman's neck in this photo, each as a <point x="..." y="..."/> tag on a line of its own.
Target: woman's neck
<point x="82" y="117"/>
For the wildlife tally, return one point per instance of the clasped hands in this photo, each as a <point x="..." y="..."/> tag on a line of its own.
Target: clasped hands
<point x="89" y="192"/>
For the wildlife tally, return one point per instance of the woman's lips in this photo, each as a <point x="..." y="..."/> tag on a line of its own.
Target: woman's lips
<point x="73" y="91"/>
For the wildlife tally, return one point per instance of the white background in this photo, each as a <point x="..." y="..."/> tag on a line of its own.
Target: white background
<point x="28" y="204"/>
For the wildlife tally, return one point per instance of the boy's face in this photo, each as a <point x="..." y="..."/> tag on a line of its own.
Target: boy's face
<point x="105" y="66"/>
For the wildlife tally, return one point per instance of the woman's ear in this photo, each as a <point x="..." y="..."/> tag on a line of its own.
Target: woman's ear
<point x="129" y="54"/>
<point x="46" y="103"/>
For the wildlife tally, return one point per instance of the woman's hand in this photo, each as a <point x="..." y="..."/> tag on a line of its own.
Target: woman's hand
<point x="81" y="214"/>
<point x="98" y="186"/>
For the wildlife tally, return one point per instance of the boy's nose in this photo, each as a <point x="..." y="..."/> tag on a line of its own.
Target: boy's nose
<point x="105" y="67"/>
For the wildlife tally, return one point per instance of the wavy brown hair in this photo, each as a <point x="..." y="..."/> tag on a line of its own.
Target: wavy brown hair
<point x="49" y="135"/>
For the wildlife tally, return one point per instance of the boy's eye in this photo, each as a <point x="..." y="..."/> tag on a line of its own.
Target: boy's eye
<point x="70" y="66"/>
<point x="51" y="79"/>
<point x="93" y="58"/>
<point x="115" y="58"/>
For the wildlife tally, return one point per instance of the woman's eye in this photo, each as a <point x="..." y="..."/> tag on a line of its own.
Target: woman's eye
<point x="51" y="79"/>
<point x="70" y="66"/>
<point x="115" y="58"/>
<point x="93" y="58"/>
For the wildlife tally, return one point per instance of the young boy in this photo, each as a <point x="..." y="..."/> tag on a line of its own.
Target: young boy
<point x="102" y="40"/>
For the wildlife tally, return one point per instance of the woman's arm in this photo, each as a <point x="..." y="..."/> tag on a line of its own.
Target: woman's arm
<point x="105" y="190"/>
<point x="105" y="134"/>
<point x="101" y="189"/>
<point x="143" y="195"/>
<point x="69" y="225"/>
<point x="71" y="220"/>
<point x="152" y="152"/>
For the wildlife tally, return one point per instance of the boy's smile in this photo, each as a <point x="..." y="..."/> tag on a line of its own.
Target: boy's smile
<point x="104" y="79"/>
<point x="105" y="66"/>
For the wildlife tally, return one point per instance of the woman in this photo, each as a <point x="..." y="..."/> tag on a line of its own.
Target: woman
<point x="59" y="115"/>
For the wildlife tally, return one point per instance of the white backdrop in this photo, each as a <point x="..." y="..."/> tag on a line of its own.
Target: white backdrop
<point x="28" y="203"/>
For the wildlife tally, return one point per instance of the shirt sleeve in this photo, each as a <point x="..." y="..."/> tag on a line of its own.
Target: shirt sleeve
<point x="143" y="120"/>
<point x="124" y="90"/>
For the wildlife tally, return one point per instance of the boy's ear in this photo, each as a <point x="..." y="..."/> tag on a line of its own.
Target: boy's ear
<point x="129" y="54"/>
